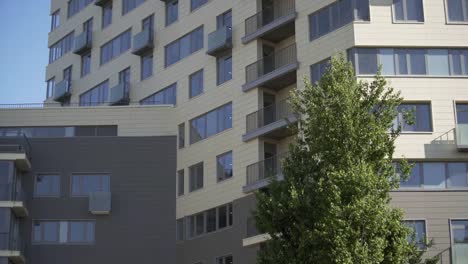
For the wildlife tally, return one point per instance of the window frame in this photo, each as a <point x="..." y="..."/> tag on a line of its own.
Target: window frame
<point x="81" y="194"/>
<point x="405" y="13"/>
<point x="181" y="135"/>
<point x="36" y="195"/>
<point x="446" y="11"/>
<point x="50" y="87"/>
<point x="426" y="236"/>
<point x="108" y="5"/>
<point x="195" y="179"/>
<point x="83" y="73"/>
<point x="202" y="83"/>
<point x="224" y="178"/>
<point x="166" y="9"/>
<point x="142" y="60"/>
<point x="55" y="20"/>
<point x="181" y="182"/>
<point x="221" y="63"/>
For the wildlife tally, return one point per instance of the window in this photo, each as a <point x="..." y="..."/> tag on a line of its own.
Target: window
<point x="437" y="175"/>
<point x="116" y="46"/>
<point x="196" y="177"/>
<point x="196" y="83"/>
<point x="75" y="6"/>
<point x="224" y="166"/>
<point x="172" y="12"/>
<point x="183" y="47"/>
<point x="146" y="66"/>
<point x="408" y="10"/>
<point x="63" y="232"/>
<point x="421" y="113"/>
<point x="129" y="5"/>
<point x="224" y="71"/>
<point x="84" y="184"/>
<point x="224" y="260"/>
<point x="194" y="4"/>
<point x="95" y="96"/>
<point x="47" y="186"/>
<point x="224" y="20"/>
<point x="211" y="123"/>
<point x="419" y="229"/>
<point x="457" y="10"/>
<point x="462" y="113"/>
<point x="181" y="135"/>
<point x="55" y="20"/>
<point x="50" y="87"/>
<point x="433" y="62"/>
<point x="337" y="15"/>
<point x="459" y="235"/>
<point x="107" y="14"/>
<point x="85" y="64"/>
<point x="180" y="231"/>
<point x="318" y="69"/>
<point x="71" y="131"/>
<point x="180" y="182"/>
<point x="209" y="221"/>
<point x="167" y="95"/>
<point x="61" y="47"/>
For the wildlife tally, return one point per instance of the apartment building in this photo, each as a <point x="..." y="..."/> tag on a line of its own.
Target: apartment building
<point x="216" y="74"/>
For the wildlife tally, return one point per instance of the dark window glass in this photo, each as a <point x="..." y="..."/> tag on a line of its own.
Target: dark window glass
<point x="196" y="177"/>
<point x="462" y="113"/>
<point x="85" y="64"/>
<point x="116" y="47"/>
<point x="196" y="83"/>
<point x="200" y="224"/>
<point x="180" y="182"/>
<point x="224" y="166"/>
<point x="222" y="215"/>
<point x="129" y="5"/>
<point x="211" y="220"/>
<point x="107" y="14"/>
<point x="106" y="131"/>
<point x="96" y="95"/>
<point x="172" y="12"/>
<point x="84" y="184"/>
<point x="224" y="20"/>
<point x="367" y="61"/>
<point x="50" y="87"/>
<point x="47" y="186"/>
<point x="184" y="46"/>
<point x="415" y="178"/>
<point x="417" y="61"/>
<point x="46" y="231"/>
<point x="167" y="95"/>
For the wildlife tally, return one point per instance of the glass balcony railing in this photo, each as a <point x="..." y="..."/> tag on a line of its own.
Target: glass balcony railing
<point x="62" y="91"/>
<point x="219" y="41"/>
<point x="120" y="94"/>
<point x="83" y="42"/>
<point x="143" y="42"/>
<point x="462" y="137"/>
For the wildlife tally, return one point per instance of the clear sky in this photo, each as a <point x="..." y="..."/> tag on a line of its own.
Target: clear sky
<point x="24" y="27"/>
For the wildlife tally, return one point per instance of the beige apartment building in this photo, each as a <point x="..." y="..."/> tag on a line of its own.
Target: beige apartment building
<point x="217" y="74"/>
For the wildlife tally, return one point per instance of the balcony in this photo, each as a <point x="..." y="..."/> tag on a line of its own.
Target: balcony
<point x="14" y="199"/>
<point x="83" y="43"/>
<point x="12" y="247"/>
<point x="274" y="71"/>
<point x="143" y="42"/>
<point x="62" y="91"/>
<point x="461" y="133"/>
<point x="271" y="122"/>
<point x="273" y="23"/>
<point x="18" y="151"/>
<point x="260" y="174"/>
<point x="101" y="3"/>
<point x="100" y="203"/>
<point x="219" y="41"/>
<point x="120" y="94"/>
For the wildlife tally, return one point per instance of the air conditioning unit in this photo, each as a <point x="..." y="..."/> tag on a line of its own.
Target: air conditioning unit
<point x="100" y="203"/>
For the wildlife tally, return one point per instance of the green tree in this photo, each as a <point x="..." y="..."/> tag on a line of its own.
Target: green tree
<point x="333" y="205"/>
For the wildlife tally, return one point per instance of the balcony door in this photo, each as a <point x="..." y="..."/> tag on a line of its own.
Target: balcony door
<point x="270" y="156"/>
<point x="124" y="78"/>
<point x="268" y="53"/>
<point x="269" y="109"/>
<point x="462" y="113"/>
<point x="267" y="12"/>
<point x="88" y="28"/>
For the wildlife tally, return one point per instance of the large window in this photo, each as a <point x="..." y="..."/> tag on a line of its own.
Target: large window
<point x="211" y="123"/>
<point x="47" y="185"/>
<point x="459" y="235"/>
<point x="61" y="47"/>
<point x="50" y="87"/>
<point x="183" y="47"/>
<point x="462" y="113"/>
<point x="70" y="131"/>
<point x="96" y="95"/>
<point x="437" y="175"/>
<point x="196" y="83"/>
<point x="172" y="12"/>
<point x="75" y="6"/>
<point x="419" y="113"/>
<point x="196" y="177"/>
<point x="85" y="64"/>
<point x="129" y="5"/>
<point x="116" y="46"/>
<point x="419" y="229"/>
<point x="84" y="184"/>
<point x="180" y="182"/>
<point x="180" y="230"/>
<point x="63" y="232"/>
<point x="224" y="166"/>
<point x="408" y="11"/>
<point x="194" y="4"/>
<point x="432" y="62"/>
<point x="107" y="14"/>
<point x="55" y="20"/>
<point x="146" y="66"/>
<point x="181" y="135"/>
<point x="457" y="11"/>
<point x="224" y="69"/>
<point x="209" y="221"/>
<point x="318" y="69"/>
<point x="6" y="179"/>
<point x="167" y="95"/>
<point x="337" y="15"/>
<point x="224" y="260"/>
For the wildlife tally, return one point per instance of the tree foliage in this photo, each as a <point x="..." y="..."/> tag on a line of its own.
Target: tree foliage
<point x="333" y="205"/>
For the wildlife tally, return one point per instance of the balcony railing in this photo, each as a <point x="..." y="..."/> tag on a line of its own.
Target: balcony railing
<point x="101" y="2"/>
<point x="83" y="42"/>
<point x="12" y="244"/>
<point x="270" y="114"/>
<point x="461" y="133"/>
<point x="19" y="144"/>
<point x="143" y="42"/>
<point x="219" y="41"/>
<point x="251" y="227"/>
<point x="120" y="94"/>
<point x="62" y="91"/>
<point x="262" y="172"/>
<point x="282" y="12"/>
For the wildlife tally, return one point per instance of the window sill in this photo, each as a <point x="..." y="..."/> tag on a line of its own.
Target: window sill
<point x="430" y="190"/>
<point x="415" y="76"/>
<point x="416" y="132"/>
<point x="196" y="96"/>
<point x="408" y="22"/>
<point x="227" y="180"/>
<point x="456" y="23"/>
<point x="207" y="234"/>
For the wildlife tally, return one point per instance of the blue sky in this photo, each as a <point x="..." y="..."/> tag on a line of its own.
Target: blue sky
<point x="24" y="27"/>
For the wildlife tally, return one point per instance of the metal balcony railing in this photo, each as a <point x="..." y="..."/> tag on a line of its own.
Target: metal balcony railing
<point x="268" y="15"/>
<point x="268" y="115"/>
<point x="22" y="145"/>
<point x="219" y="40"/>
<point x="271" y="63"/>
<point x="265" y="169"/>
